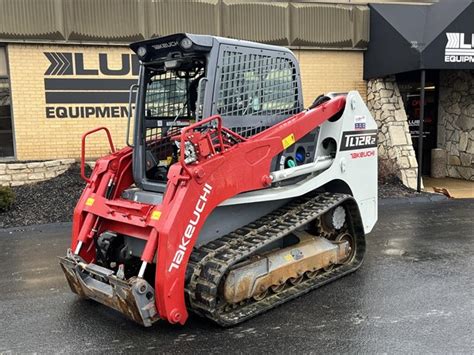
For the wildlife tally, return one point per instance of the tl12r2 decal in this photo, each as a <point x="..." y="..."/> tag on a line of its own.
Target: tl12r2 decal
<point x="352" y="140"/>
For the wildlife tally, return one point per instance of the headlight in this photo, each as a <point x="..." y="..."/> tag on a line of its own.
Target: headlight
<point x="186" y="43"/>
<point x="141" y="52"/>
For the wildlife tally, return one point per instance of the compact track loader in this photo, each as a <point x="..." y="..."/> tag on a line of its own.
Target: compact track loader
<point x="231" y="198"/>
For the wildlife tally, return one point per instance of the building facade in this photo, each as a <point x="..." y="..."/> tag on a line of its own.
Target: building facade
<point x="66" y="67"/>
<point x="432" y="49"/>
<point x="58" y="92"/>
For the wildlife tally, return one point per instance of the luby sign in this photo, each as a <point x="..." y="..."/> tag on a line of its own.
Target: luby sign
<point x="74" y="90"/>
<point x="459" y="48"/>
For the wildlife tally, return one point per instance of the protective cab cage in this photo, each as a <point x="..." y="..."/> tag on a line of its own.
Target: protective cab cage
<point x="184" y="78"/>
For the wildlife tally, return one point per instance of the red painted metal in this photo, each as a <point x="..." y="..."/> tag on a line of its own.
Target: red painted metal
<point x="83" y="148"/>
<point x="223" y="169"/>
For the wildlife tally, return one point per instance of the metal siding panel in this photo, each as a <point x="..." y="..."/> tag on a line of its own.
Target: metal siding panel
<point x="31" y="19"/>
<point x="3" y="63"/>
<point x="256" y="21"/>
<point x="361" y="27"/>
<point x="366" y="2"/>
<point x="123" y="21"/>
<point x="173" y="16"/>
<point x="104" y="20"/>
<point x="326" y="25"/>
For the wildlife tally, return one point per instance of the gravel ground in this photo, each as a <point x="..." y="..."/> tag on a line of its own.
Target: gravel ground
<point x="54" y="200"/>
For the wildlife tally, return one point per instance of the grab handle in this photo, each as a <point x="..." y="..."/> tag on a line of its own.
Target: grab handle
<point x="130" y="95"/>
<point x="83" y="148"/>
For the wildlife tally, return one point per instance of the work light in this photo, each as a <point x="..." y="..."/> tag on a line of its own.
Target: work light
<point x="186" y="43"/>
<point x="141" y="52"/>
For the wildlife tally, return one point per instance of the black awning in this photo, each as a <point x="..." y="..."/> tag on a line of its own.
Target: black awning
<point x="412" y="37"/>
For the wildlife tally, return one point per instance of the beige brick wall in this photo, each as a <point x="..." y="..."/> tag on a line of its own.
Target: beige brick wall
<point x="330" y="71"/>
<point x="38" y="137"/>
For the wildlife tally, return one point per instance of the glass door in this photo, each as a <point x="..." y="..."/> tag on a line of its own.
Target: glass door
<point x="409" y="86"/>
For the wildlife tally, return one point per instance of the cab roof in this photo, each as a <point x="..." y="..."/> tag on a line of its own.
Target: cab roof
<point x="201" y="43"/>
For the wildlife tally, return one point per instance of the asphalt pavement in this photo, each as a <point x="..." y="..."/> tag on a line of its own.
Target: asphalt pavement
<point x="414" y="294"/>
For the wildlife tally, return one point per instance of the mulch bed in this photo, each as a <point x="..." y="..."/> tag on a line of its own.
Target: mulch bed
<point x="45" y="202"/>
<point x="54" y="200"/>
<point x="392" y="188"/>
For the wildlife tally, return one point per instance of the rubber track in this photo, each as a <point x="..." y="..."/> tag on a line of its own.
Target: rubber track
<point x="209" y="263"/>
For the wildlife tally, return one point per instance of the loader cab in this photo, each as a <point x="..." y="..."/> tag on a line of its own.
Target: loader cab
<point x="185" y="78"/>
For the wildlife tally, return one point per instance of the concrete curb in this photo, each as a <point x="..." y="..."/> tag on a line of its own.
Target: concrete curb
<point x="424" y="198"/>
<point x="33" y="227"/>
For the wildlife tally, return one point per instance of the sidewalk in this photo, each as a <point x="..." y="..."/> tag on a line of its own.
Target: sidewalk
<point x="456" y="188"/>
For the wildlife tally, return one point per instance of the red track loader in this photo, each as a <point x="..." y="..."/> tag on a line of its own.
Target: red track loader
<point x="231" y="198"/>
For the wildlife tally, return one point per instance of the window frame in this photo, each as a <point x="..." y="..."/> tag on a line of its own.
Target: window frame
<point x="4" y="46"/>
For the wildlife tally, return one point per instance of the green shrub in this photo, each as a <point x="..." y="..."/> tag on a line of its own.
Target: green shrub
<point x="7" y="197"/>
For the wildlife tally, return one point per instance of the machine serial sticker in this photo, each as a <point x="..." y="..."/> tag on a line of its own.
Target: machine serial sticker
<point x="288" y="141"/>
<point x="155" y="215"/>
<point x="90" y="201"/>
<point x="352" y="140"/>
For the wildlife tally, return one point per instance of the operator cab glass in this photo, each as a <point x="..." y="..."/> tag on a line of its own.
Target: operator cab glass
<point x="171" y="79"/>
<point x="170" y="103"/>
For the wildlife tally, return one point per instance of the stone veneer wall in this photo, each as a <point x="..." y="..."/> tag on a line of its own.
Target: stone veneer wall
<point x="16" y="174"/>
<point x="394" y="141"/>
<point x="456" y="122"/>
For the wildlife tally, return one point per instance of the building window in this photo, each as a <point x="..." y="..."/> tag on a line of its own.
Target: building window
<point x="6" y="131"/>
